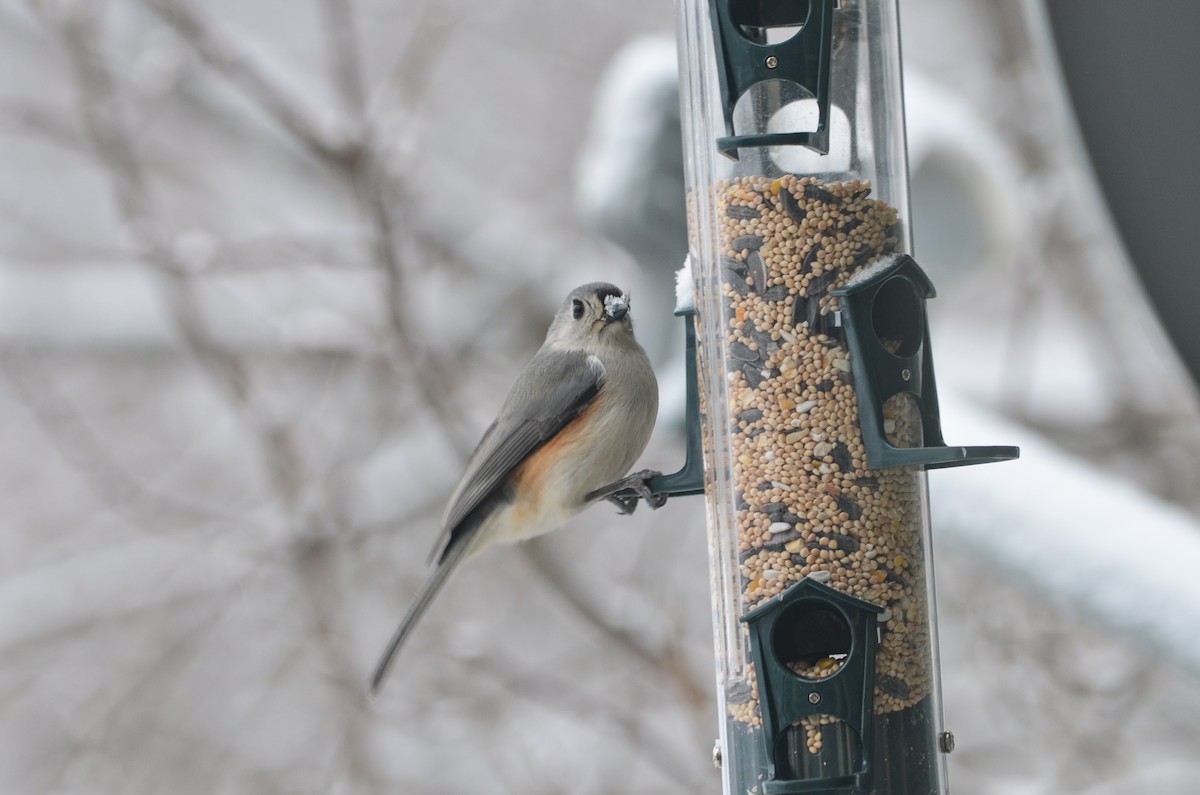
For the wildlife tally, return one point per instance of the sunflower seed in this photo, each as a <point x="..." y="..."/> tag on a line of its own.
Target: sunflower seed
<point x="739" y="285"/>
<point x="744" y="242"/>
<point x="791" y="206"/>
<point x="819" y="285"/>
<point x="776" y="293"/>
<point x="738" y="693"/>
<point x="818" y="193"/>
<point x="750" y="415"/>
<point x="806" y="310"/>
<point x="841" y="457"/>
<point x="740" y="350"/>
<point x="753" y="375"/>
<point x="810" y="258"/>
<point x="862" y="257"/>
<point x="756" y="269"/>
<point x="892" y="686"/>
<point x="850" y="507"/>
<point x="741" y="212"/>
<point x="780" y="541"/>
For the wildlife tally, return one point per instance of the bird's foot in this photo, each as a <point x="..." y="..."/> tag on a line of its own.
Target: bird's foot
<point x="639" y="484"/>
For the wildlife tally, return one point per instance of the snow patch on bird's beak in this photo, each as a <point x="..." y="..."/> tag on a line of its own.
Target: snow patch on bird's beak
<point x="615" y="307"/>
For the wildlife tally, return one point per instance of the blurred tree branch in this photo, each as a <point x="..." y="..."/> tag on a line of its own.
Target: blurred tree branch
<point x="69" y="431"/>
<point x="41" y="120"/>
<point x="278" y="450"/>
<point x="223" y="53"/>
<point x="564" y="694"/>
<point x="345" y="56"/>
<point x="364" y="163"/>
<point x="668" y="664"/>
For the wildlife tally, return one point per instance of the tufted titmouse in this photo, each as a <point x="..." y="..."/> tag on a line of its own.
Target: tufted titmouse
<point x="575" y="421"/>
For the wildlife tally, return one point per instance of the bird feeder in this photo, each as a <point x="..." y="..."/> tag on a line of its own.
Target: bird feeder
<point x="816" y="397"/>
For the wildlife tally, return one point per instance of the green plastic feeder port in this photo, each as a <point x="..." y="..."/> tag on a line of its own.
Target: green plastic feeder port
<point x="814" y="651"/>
<point x="792" y="69"/>
<point x="885" y="325"/>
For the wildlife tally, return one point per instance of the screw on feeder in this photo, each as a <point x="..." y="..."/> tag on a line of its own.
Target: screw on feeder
<point x="946" y="742"/>
<point x="772" y="62"/>
<point x="906" y="374"/>
<point x="814" y="698"/>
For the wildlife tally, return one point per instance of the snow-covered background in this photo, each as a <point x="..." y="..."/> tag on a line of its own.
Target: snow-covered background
<point x="266" y="270"/>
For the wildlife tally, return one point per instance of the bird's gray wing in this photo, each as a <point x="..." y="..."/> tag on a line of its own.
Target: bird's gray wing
<point x="553" y="389"/>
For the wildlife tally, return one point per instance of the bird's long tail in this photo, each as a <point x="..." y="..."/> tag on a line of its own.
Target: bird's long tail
<point x="429" y="591"/>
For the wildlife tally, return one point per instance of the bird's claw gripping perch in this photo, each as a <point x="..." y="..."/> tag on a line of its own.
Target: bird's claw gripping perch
<point x="639" y="484"/>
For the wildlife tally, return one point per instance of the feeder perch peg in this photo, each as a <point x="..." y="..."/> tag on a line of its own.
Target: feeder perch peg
<point x="689" y="479"/>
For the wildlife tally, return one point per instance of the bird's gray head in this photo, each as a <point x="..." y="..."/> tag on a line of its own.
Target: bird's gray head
<point x="595" y="313"/>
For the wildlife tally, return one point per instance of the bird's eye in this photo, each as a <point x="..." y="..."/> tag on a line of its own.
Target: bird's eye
<point x="577" y="308"/>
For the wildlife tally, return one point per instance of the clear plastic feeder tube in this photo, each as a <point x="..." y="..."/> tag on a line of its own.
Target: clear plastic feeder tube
<point x="776" y="226"/>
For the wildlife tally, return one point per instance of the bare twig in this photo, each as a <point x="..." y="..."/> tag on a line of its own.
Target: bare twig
<point x="436" y="22"/>
<point x="345" y="56"/>
<point x="382" y="198"/>
<point x="407" y="353"/>
<point x="362" y="162"/>
<point x="41" y="120"/>
<point x="667" y="665"/>
<point x="563" y="694"/>
<point x="240" y="67"/>
<point x="67" y="429"/>
<point x="319" y="587"/>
